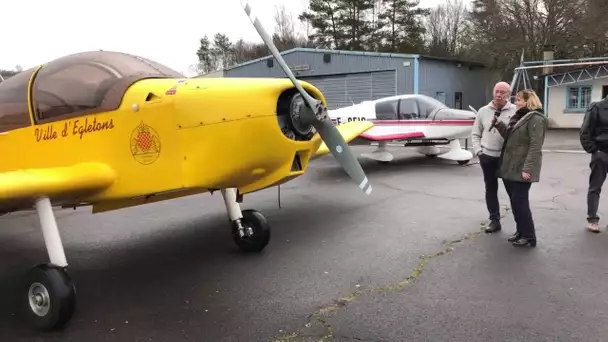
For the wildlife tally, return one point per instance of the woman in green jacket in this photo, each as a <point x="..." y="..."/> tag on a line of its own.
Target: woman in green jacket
<point x="521" y="160"/>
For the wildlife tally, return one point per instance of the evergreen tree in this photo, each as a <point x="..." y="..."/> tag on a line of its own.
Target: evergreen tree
<point x="324" y="17"/>
<point x="206" y="60"/>
<point x="356" y="24"/>
<point x="402" y="27"/>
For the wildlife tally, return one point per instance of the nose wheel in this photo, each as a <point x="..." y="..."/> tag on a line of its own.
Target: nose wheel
<point x="250" y="230"/>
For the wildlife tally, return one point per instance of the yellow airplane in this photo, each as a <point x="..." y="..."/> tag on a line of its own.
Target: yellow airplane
<point x="112" y="130"/>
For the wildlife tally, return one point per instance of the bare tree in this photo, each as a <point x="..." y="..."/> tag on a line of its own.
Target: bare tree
<point x="446" y="28"/>
<point x="245" y="51"/>
<point x="285" y="28"/>
<point x="286" y="36"/>
<point x="376" y="40"/>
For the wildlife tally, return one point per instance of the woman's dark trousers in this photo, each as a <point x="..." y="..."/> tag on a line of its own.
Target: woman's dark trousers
<point x="520" y="204"/>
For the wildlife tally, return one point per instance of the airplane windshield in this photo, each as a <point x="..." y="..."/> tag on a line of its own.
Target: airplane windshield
<point x="14" y="112"/>
<point x="428" y="105"/>
<point x="90" y="82"/>
<point x="431" y="103"/>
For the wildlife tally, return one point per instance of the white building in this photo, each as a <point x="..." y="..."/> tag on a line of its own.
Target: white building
<point x="569" y="93"/>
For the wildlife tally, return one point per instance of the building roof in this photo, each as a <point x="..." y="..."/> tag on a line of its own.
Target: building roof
<point x="571" y="71"/>
<point x="560" y="69"/>
<point x="361" y="53"/>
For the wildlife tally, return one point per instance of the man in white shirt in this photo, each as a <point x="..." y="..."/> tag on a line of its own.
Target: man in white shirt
<point x="487" y="146"/>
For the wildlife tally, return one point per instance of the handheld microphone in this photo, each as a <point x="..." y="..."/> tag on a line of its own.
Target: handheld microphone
<point x="496" y="115"/>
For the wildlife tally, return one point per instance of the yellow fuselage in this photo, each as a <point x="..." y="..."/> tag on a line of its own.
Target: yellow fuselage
<point x="212" y="133"/>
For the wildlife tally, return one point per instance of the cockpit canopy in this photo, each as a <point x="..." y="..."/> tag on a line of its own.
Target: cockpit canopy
<point x="74" y="85"/>
<point x="404" y="107"/>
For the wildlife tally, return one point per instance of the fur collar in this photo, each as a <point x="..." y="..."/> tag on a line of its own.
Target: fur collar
<point x="526" y="117"/>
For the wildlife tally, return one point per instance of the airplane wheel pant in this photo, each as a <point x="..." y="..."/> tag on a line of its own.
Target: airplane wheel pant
<point x="48" y="297"/>
<point x="261" y="231"/>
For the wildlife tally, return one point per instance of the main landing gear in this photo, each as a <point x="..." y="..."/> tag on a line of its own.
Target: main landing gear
<point x="47" y="295"/>
<point x="250" y="230"/>
<point x="456" y="152"/>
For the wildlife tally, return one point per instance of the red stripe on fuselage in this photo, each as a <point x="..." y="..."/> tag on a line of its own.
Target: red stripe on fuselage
<point x="392" y="136"/>
<point x="423" y="122"/>
<point x="420" y="122"/>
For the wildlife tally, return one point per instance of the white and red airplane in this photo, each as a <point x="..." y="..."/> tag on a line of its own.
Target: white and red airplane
<point x="414" y="120"/>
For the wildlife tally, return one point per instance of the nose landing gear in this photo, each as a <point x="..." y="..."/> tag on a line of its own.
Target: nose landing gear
<point x="250" y="229"/>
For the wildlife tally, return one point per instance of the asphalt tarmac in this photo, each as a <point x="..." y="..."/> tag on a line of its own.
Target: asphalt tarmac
<point x="408" y="263"/>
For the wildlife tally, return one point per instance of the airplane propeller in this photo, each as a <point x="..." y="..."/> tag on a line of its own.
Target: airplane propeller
<point x="317" y="115"/>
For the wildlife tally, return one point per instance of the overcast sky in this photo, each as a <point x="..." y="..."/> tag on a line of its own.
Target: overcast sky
<point x="165" y="31"/>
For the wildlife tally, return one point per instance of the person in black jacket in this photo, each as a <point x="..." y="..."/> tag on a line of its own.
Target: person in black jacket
<point x="594" y="140"/>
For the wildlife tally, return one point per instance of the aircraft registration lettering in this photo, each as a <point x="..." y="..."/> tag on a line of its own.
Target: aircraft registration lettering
<point x="145" y="144"/>
<point x="72" y="128"/>
<point x="339" y="120"/>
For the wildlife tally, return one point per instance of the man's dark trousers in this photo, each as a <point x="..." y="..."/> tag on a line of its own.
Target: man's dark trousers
<point x="599" y="168"/>
<point x="489" y="166"/>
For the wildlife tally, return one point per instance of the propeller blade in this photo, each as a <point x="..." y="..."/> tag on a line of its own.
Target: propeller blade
<point x="317" y="115"/>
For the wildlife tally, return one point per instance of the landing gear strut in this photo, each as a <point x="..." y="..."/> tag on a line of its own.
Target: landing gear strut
<point x="250" y="230"/>
<point x="48" y="296"/>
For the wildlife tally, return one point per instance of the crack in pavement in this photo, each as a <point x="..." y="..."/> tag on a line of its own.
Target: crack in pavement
<point x="420" y="192"/>
<point x="560" y="205"/>
<point x="319" y="317"/>
<point x="355" y="338"/>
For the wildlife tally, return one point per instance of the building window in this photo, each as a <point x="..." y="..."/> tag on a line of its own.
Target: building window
<point x="578" y="98"/>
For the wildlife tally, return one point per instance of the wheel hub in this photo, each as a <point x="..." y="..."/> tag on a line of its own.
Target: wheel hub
<point x="39" y="299"/>
<point x="244" y="230"/>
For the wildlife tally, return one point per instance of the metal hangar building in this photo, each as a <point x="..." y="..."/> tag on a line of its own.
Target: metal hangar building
<point x="347" y="77"/>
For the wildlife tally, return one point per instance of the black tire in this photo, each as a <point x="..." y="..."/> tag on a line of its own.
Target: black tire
<point x="261" y="232"/>
<point x="463" y="162"/>
<point x="61" y="298"/>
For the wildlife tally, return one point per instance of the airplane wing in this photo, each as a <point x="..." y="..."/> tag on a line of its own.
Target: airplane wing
<point x="20" y="188"/>
<point x="349" y="131"/>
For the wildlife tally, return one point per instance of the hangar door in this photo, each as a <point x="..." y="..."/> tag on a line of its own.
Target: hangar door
<point x="345" y="89"/>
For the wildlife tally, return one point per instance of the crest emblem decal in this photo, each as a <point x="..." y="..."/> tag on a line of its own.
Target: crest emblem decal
<point x="145" y="144"/>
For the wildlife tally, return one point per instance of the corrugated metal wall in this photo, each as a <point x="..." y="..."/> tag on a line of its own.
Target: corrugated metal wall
<point x="351" y="77"/>
<point x="345" y="89"/>
<point x="347" y="78"/>
<point x="475" y="85"/>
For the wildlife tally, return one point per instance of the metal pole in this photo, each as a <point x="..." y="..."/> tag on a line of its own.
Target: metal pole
<point x="567" y="60"/>
<point x="560" y="65"/>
